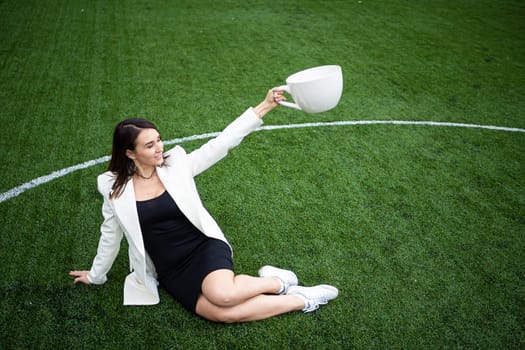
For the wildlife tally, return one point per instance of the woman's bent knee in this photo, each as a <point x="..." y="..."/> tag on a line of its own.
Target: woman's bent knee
<point x="217" y="287"/>
<point x="221" y="297"/>
<point x="214" y="313"/>
<point x="224" y="317"/>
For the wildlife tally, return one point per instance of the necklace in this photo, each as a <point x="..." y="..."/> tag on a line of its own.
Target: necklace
<point x="146" y="177"/>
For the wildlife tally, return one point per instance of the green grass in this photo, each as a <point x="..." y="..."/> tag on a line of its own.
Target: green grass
<point x="421" y="228"/>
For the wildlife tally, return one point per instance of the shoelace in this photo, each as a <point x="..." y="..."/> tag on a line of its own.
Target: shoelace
<point x="313" y="304"/>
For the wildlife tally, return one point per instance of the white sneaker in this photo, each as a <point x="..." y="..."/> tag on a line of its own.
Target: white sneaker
<point x="286" y="277"/>
<point x="314" y="296"/>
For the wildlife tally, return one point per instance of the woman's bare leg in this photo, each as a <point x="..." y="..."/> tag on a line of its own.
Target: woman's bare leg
<point x="256" y="308"/>
<point x="229" y="298"/>
<point x="224" y="288"/>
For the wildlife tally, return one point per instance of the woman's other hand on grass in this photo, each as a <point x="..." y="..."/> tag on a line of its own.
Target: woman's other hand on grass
<point x="80" y="276"/>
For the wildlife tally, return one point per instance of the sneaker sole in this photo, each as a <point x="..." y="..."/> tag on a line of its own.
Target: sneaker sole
<point x="330" y="288"/>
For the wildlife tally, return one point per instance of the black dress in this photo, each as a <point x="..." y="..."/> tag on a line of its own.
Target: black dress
<point x="182" y="255"/>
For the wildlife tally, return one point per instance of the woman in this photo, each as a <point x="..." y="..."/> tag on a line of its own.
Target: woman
<point x="150" y="197"/>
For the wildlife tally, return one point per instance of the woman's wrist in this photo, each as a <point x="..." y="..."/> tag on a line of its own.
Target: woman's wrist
<point x="272" y="100"/>
<point x="262" y="108"/>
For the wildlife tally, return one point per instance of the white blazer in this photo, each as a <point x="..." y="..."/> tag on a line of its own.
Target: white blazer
<point x="177" y="175"/>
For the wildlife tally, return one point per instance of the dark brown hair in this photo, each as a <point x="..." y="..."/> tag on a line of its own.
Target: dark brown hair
<point x="124" y="138"/>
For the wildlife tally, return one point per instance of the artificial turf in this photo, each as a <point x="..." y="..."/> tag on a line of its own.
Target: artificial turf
<point x="420" y="227"/>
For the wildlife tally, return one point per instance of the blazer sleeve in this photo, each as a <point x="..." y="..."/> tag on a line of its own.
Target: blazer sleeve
<point x="109" y="243"/>
<point x="217" y="148"/>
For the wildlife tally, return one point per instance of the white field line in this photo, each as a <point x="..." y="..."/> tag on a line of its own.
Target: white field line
<point x="63" y="172"/>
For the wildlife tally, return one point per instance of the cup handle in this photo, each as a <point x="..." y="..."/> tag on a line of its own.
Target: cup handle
<point x="288" y="104"/>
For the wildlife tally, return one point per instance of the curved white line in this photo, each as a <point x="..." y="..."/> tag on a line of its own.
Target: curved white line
<point x="63" y="172"/>
<point x="391" y="122"/>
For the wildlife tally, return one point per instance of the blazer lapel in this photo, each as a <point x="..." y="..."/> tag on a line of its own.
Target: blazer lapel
<point x="126" y="209"/>
<point x="182" y="192"/>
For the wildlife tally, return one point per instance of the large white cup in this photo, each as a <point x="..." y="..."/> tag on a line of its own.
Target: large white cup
<point x="315" y="90"/>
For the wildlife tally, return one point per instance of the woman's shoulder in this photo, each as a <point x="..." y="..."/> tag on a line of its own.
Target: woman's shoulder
<point x="107" y="176"/>
<point x="177" y="150"/>
<point x="105" y="181"/>
<point x="174" y="154"/>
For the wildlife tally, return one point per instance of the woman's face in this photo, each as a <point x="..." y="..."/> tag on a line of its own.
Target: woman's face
<point x="148" y="149"/>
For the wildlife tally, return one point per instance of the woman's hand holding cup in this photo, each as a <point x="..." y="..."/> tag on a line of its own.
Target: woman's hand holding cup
<point x="273" y="98"/>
